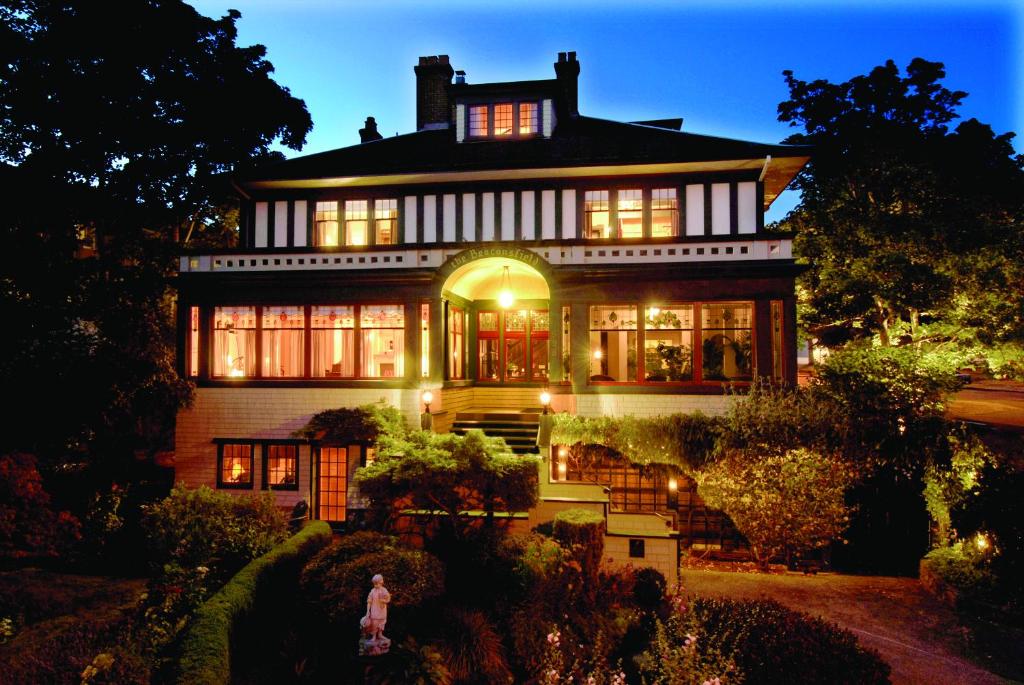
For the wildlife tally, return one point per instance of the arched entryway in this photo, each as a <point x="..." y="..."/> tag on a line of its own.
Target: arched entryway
<point x="496" y="317"/>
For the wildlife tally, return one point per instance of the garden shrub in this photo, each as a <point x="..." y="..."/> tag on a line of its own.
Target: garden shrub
<point x="771" y="644"/>
<point x="782" y="503"/>
<point x="649" y="587"/>
<point x="29" y="527"/>
<point x="961" y="567"/>
<point x="354" y="424"/>
<point x="207" y="644"/>
<point x="581" y="530"/>
<point x="472" y="649"/>
<point x="216" y="530"/>
<point x="338" y="589"/>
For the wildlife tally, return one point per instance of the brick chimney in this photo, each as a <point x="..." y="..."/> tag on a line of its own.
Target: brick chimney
<point x="369" y="133"/>
<point x="567" y="72"/>
<point x="433" y="76"/>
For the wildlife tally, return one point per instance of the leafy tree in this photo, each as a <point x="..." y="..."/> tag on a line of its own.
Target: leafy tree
<point x="913" y="232"/>
<point x="449" y="475"/>
<point x="117" y="129"/>
<point x="783" y="502"/>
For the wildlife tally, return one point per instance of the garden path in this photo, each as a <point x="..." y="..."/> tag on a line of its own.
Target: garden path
<point x="917" y="635"/>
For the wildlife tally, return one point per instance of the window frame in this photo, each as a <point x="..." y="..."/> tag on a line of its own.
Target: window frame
<point x="490" y="112"/>
<point x="697" y="331"/>
<point x="227" y="485"/>
<point x="265" y="483"/>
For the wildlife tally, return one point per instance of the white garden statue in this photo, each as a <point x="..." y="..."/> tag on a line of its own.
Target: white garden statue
<point x="373" y="642"/>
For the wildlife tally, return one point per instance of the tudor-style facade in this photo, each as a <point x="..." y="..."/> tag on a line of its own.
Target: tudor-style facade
<point x="641" y="278"/>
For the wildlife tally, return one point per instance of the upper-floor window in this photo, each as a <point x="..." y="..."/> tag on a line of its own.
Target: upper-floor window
<point x="503" y="119"/>
<point x="478" y="120"/>
<point x="325" y="224"/>
<point x="234" y="341"/>
<point x="664" y="213"/>
<point x="528" y="118"/>
<point x="595" y="210"/>
<point x="630" y="206"/>
<point x="283" y="342"/>
<point x="356" y="220"/>
<point x="385" y="219"/>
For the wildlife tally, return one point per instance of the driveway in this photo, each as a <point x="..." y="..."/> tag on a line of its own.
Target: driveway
<point x="917" y="635"/>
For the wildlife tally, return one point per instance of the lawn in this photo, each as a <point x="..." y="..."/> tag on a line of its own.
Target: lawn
<point x="915" y="633"/>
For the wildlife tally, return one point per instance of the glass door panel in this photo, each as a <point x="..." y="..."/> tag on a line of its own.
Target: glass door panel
<point x="332" y="482"/>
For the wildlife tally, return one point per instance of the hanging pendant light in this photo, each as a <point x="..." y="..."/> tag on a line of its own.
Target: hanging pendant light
<point x="505" y="297"/>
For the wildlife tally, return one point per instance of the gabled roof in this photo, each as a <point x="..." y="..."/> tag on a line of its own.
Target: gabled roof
<point x="579" y="142"/>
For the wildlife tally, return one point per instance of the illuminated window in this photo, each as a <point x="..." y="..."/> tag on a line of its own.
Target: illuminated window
<point x="727" y="341"/>
<point x="595" y="210"/>
<point x="283" y="342"/>
<point x="193" y="342"/>
<point x="385" y="221"/>
<point x="487" y="346"/>
<point x="332" y="334"/>
<point x="539" y="333"/>
<point x="478" y="120"/>
<point x="668" y="343"/>
<point x="503" y="119"/>
<point x="613" y="343"/>
<point x="528" y="119"/>
<point x="630" y="206"/>
<point x="566" y="344"/>
<point x="456" y="329"/>
<point x="325" y="224"/>
<point x="332" y="474"/>
<point x="234" y="465"/>
<point x="356" y="217"/>
<point x="281" y="467"/>
<point x="425" y="340"/>
<point x="664" y="213"/>
<point x="383" y="340"/>
<point x="234" y="342"/>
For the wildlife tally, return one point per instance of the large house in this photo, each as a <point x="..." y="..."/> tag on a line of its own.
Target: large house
<point x="510" y="245"/>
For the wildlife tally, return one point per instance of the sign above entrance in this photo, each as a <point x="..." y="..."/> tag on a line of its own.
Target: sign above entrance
<point x="473" y="254"/>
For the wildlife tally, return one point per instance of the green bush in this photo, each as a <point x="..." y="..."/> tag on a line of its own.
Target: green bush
<point x="206" y="646"/>
<point x="215" y="530"/>
<point x="355" y="424"/>
<point x="582" y="531"/>
<point x="771" y="644"/>
<point x="962" y="568"/>
<point x="338" y="589"/>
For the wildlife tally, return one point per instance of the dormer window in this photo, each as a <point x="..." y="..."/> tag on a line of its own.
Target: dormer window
<point x="478" y="119"/>
<point x="528" y="119"/>
<point x="500" y="120"/>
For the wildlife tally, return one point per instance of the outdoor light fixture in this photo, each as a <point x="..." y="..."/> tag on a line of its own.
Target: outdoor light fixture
<point x="597" y="354"/>
<point x="505" y="297"/>
<point x="673" y="485"/>
<point x="563" y="453"/>
<point x="545" y="401"/>
<point x="427" y="398"/>
<point x="654" y="311"/>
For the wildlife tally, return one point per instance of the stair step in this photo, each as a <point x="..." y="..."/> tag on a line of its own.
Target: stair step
<point x="500" y="417"/>
<point x="491" y="428"/>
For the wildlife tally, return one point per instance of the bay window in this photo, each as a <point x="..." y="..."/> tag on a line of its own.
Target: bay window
<point x="283" y="342"/>
<point x="668" y="343"/>
<point x="613" y="343"/>
<point x="234" y="342"/>
<point x="383" y="340"/>
<point x="726" y="341"/>
<point x="332" y="333"/>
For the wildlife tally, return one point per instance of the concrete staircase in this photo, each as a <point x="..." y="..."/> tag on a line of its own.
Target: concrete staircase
<point x="517" y="428"/>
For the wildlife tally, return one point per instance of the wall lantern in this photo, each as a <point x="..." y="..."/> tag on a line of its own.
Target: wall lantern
<point x="427" y="398"/>
<point x="505" y="297"/>
<point x="545" y="401"/>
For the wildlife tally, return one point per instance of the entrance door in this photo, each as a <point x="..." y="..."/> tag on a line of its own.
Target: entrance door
<point x="332" y="481"/>
<point x="512" y="346"/>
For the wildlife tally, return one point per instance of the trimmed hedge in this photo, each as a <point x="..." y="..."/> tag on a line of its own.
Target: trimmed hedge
<point x="582" y="531"/>
<point x="206" y="647"/>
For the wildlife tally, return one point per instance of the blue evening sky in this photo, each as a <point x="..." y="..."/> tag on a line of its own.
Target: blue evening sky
<point x="716" y="64"/>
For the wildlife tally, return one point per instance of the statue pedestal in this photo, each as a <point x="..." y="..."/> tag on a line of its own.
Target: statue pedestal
<point x="370" y="646"/>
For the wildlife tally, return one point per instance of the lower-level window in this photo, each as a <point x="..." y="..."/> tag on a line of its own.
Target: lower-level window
<point x="613" y="343"/>
<point x="281" y="467"/>
<point x="631" y="487"/>
<point x="234" y="465"/>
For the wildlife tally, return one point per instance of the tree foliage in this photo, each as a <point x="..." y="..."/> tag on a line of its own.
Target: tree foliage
<point x="449" y="475"/>
<point x="117" y="129"/>
<point x="348" y="425"/>
<point x="912" y="231"/>
<point x="786" y="502"/>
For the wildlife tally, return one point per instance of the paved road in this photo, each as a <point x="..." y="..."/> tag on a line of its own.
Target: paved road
<point x="916" y="634"/>
<point x="998" y="403"/>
